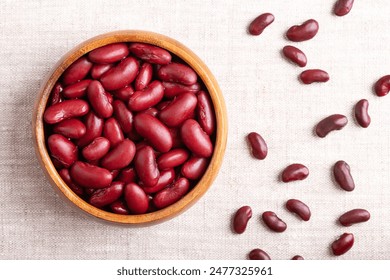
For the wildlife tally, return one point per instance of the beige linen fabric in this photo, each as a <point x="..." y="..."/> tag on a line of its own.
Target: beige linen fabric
<point x="262" y="94"/>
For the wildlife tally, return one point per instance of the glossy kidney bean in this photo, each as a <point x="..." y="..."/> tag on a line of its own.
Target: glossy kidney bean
<point x="177" y="73"/>
<point x="241" y="218"/>
<point x="120" y="156"/>
<point x="127" y="175"/>
<point x="109" y="53"/>
<point x="99" y="100"/>
<point x="154" y="131"/>
<point x="343" y="244"/>
<point x="179" y="110"/>
<point x="65" y="110"/>
<point x="172" y="159"/>
<point x="77" y="71"/>
<point x="165" y="179"/>
<point x="106" y="196"/>
<point x="56" y="94"/>
<point x="295" y="172"/>
<point x="64" y="173"/>
<point x="113" y="132"/>
<point x="298" y="207"/>
<point x="146" y="166"/>
<point x="171" y="194"/>
<point x="343" y="7"/>
<point x="148" y="97"/>
<point x="205" y="112"/>
<point x="76" y="90"/>
<point x="295" y="55"/>
<point x="331" y="123"/>
<point x="258" y="254"/>
<point x="174" y="89"/>
<point x="121" y="75"/>
<point x="273" y="221"/>
<point x="144" y="76"/>
<point x="194" y="168"/>
<point x="297" y="258"/>
<point x="136" y="199"/>
<point x="70" y="128"/>
<point x="195" y="139"/>
<point x="124" y="93"/>
<point x="97" y="149"/>
<point x="62" y="149"/>
<point x="382" y="86"/>
<point x="354" y="216"/>
<point x="94" y="126"/>
<point x="342" y="175"/>
<point x="258" y="146"/>
<point x="151" y="54"/>
<point x="361" y="113"/>
<point x="123" y="115"/>
<point x="90" y="176"/>
<point x="119" y="207"/>
<point x="303" y="32"/>
<point x="99" y="69"/>
<point x="314" y="76"/>
<point x="258" y="25"/>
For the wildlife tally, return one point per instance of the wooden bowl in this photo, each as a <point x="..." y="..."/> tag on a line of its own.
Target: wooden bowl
<point x="187" y="56"/>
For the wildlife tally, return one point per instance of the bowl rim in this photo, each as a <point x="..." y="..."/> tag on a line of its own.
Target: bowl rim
<point x="203" y="73"/>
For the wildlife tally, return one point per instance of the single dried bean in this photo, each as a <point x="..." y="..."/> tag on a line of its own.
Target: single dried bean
<point x="258" y="25"/>
<point x="295" y="55"/>
<point x="354" y="216"/>
<point x="343" y="7"/>
<point x="343" y="244"/>
<point x="361" y="113"/>
<point x="295" y="172"/>
<point x="258" y="254"/>
<point x="314" y="76"/>
<point x="342" y="174"/>
<point x="331" y="123"/>
<point x="241" y="218"/>
<point x="298" y="207"/>
<point x="273" y="222"/>
<point x="258" y="146"/>
<point x="303" y="32"/>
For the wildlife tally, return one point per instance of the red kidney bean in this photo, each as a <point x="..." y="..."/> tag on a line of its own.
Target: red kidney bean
<point x="99" y="69"/>
<point x="123" y="116"/>
<point x="179" y="110"/>
<point x="258" y="254"/>
<point x="295" y="55"/>
<point x="382" y="86"/>
<point x="205" y="112"/>
<point x="172" y="159"/>
<point x="70" y="128"/>
<point x="119" y="207"/>
<point x="90" y="176"/>
<point x="298" y="207"/>
<point x="97" y="149"/>
<point x="136" y="199"/>
<point x="109" y="53"/>
<point x="76" y="90"/>
<point x="127" y="175"/>
<point x="106" y="196"/>
<point x="331" y="123"/>
<point x="113" y="132"/>
<point x="177" y="73"/>
<point x="297" y="258"/>
<point x="314" y="76"/>
<point x="171" y="194"/>
<point x="64" y="173"/>
<point x="121" y="75"/>
<point x="195" y="139"/>
<point x="56" y="96"/>
<point x="77" y="71"/>
<point x="361" y="113"/>
<point x="166" y="178"/>
<point x="343" y="7"/>
<point x="303" y="32"/>
<point x="343" y="244"/>
<point x="99" y="100"/>
<point x="174" y="89"/>
<point x="354" y="216"/>
<point x="295" y="172"/>
<point x="94" y="126"/>
<point x="65" y="110"/>
<point x="258" y="25"/>
<point x="258" y="146"/>
<point x="194" y="168"/>
<point x="273" y="222"/>
<point x="62" y="149"/>
<point x="151" y="54"/>
<point x="120" y="156"/>
<point x="342" y="174"/>
<point x="146" y="166"/>
<point x="154" y="131"/>
<point x="148" y="97"/>
<point x="241" y="218"/>
<point x="124" y="93"/>
<point x="144" y="76"/>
